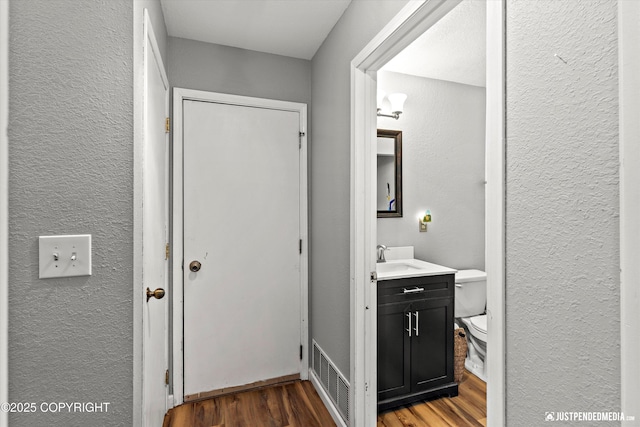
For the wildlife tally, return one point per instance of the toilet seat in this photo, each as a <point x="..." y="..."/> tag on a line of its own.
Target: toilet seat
<point x="480" y="323"/>
<point x="464" y="276"/>
<point x="478" y="327"/>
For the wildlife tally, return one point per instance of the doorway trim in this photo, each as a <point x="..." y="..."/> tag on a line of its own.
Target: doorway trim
<point x="413" y="20"/>
<point x="4" y="207"/>
<point x="179" y="96"/>
<point x="629" y="110"/>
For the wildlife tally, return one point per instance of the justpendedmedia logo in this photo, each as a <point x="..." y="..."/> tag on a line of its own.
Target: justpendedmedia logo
<point x="603" y="416"/>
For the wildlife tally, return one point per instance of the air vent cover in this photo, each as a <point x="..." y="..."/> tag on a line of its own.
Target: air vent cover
<point x="332" y="381"/>
<point x="316" y="359"/>
<point x="324" y="371"/>
<point x="343" y="398"/>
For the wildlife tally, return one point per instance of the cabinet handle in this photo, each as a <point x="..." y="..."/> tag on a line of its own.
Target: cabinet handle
<point x="409" y="316"/>
<point x="417" y="323"/>
<point x="412" y="291"/>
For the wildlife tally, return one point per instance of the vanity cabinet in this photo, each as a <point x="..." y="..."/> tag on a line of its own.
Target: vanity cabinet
<point x="415" y="339"/>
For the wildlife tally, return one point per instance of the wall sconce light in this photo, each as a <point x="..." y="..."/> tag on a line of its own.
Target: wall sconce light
<point x="397" y="103"/>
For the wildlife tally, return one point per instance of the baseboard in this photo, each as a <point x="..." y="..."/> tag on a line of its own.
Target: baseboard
<point x="238" y="389"/>
<point x="170" y="402"/>
<point x="337" y="418"/>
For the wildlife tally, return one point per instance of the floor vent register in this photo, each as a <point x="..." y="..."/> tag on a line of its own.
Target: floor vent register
<point x="332" y="381"/>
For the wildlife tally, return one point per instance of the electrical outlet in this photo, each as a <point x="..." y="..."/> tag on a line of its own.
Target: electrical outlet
<point x="65" y="256"/>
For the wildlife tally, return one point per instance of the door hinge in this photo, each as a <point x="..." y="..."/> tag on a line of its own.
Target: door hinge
<point x="167" y="125"/>
<point x="301" y="134"/>
<point x="300" y="351"/>
<point x="167" y="251"/>
<point x="166" y="377"/>
<point x="300" y="246"/>
<point x="374" y="276"/>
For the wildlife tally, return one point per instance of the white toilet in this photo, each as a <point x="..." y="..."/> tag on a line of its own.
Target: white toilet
<point x="470" y="304"/>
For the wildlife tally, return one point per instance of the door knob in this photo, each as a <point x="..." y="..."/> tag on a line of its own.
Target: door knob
<point x="157" y="294"/>
<point x="195" y="266"/>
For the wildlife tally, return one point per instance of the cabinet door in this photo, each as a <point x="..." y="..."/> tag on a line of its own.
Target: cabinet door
<point x="394" y="350"/>
<point x="431" y="343"/>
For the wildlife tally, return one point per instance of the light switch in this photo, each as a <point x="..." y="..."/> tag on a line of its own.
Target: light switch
<point x="65" y="256"/>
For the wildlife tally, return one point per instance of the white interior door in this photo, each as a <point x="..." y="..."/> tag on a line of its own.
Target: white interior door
<point x="155" y="232"/>
<point x="242" y="204"/>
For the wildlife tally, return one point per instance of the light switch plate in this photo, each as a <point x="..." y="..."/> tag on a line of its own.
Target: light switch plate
<point x="65" y="256"/>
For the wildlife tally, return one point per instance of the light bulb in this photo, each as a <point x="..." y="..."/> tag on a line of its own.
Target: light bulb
<point x="397" y="102"/>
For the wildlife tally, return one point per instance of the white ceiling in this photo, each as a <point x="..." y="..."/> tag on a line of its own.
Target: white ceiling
<point x="454" y="49"/>
<point x="293" y="28"/>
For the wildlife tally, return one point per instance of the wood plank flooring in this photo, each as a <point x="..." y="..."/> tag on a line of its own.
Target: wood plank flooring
<point x="295" y="404"/>
<point x="468" y="409"/>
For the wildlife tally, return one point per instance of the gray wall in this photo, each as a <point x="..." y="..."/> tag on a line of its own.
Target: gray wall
<point x="443" y="147"/>
<point x="204" y="66"/>
<point x="330" y="172"/>
<point x="563" y="345"/>
<point x="71" y="171"/>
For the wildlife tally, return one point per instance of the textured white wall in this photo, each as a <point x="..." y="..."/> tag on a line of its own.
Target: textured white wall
<point x="71" y="171"/>
<point x="562" y="296"/>
<point x="443" y="146"/>
<point x="4" y="205"/>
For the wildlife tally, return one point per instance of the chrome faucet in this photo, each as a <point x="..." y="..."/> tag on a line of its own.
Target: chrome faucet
<point x="381" y="249"/>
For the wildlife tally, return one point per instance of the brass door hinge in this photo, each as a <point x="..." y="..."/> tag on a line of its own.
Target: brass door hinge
<point x="166" y="377"/>
<point x="167" y="125"/>
<point x="167" y="251"/>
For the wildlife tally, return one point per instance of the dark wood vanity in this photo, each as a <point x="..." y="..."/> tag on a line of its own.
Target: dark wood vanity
<point x="415" y="339"/>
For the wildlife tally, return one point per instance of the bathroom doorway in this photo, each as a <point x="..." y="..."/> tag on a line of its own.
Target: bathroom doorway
<point x="442" y="76"/>
<point x="408" y="25"/>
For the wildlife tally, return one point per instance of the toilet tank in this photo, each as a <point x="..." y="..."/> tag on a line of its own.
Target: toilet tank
<point x="471" y="293"/>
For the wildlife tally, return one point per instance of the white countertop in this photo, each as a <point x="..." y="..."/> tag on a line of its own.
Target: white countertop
<point x="401" y="268"/>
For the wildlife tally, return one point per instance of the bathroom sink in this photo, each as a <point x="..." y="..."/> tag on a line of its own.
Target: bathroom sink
<point x="394" y="267"/>
<point x="399" y="268"/>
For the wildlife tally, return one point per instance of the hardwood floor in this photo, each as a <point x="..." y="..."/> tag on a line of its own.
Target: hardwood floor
<point x="293" y="404"/>
<point x="469" y="408"/>
<point x="297" y="404"/>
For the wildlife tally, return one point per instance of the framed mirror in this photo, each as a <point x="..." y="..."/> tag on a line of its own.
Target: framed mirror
<point x="389" y="190"/>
